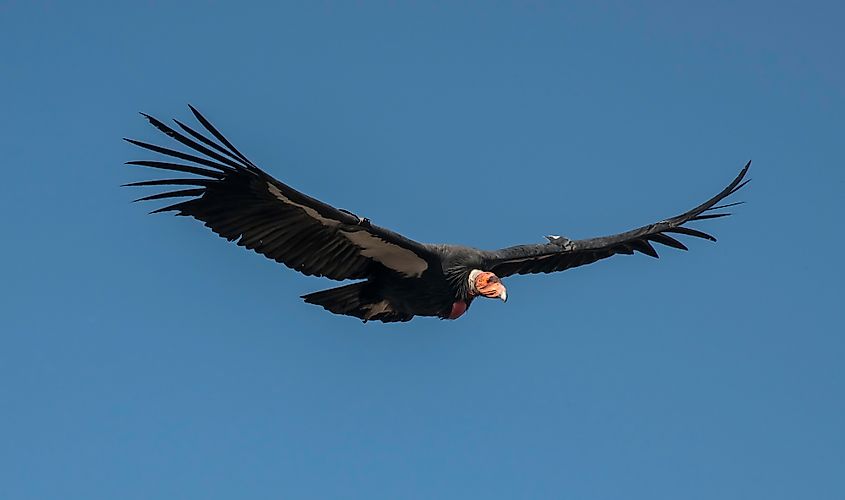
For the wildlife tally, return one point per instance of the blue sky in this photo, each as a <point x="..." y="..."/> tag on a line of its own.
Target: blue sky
<point x="142" y="357"/>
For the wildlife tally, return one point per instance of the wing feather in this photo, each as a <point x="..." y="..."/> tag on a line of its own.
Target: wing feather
<point x="242" y="203"/>
<point x="561" y="253"/>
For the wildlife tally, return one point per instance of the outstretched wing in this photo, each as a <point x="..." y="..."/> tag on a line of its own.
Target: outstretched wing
<point x="562" y="253"/>
<point x="239" y="201"/>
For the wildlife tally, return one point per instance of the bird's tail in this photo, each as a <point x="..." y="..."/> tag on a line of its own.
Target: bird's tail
<point x="357" y="300"/>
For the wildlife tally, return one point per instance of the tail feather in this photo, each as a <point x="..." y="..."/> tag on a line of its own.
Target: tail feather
<point x="358" y="300"/>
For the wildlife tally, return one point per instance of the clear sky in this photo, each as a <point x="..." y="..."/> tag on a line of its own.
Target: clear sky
<point x="143" y="357"/>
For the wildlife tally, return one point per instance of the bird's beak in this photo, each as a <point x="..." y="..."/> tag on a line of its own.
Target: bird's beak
<point x="498" y="291"/>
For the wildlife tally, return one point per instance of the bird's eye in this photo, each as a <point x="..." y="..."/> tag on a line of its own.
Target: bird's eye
<point x="493" y="279"/>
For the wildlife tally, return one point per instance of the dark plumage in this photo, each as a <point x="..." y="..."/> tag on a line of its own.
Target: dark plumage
<point x="401" y="277"/>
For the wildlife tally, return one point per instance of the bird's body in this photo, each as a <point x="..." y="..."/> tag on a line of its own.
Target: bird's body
<point x="442" y="290"/>
<point x="398" y="278"/>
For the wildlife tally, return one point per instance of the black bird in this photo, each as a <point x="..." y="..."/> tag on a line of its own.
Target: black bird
<point x="399" y="278"/>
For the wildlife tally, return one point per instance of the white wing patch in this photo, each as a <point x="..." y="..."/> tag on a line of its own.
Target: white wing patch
<point x="393" y="256"/>
<point x="399" y="259"/>
<point x="308" y="210"/>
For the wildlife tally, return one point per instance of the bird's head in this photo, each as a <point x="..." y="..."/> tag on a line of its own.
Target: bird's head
<point x="487" y="284"/>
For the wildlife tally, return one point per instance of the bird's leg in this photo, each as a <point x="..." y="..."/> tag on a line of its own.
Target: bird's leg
<point x="561" y="241"/>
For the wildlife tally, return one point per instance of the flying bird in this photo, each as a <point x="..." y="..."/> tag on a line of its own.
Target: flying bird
<point x="398" y="278"/>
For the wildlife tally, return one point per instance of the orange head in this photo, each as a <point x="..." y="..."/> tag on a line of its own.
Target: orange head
<point x="487" y="284"/>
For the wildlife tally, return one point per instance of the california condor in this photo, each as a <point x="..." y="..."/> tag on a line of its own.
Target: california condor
<point x="399" y="278"/>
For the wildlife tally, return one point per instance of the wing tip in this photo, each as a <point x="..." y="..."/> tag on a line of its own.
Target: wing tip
<point x="196" y="112"/>
<point x="740" y="179"/>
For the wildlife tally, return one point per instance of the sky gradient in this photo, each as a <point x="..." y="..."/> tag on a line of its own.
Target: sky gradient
<point x="143" y="357"/>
